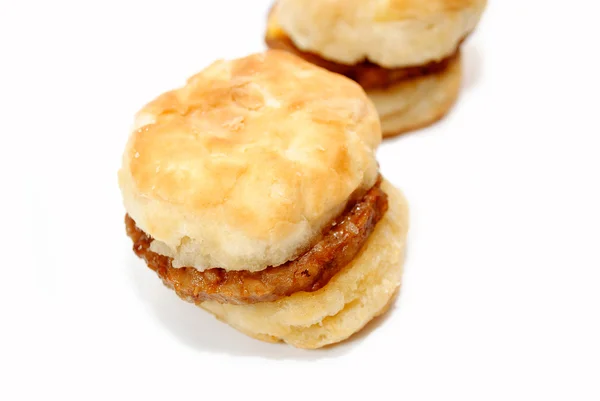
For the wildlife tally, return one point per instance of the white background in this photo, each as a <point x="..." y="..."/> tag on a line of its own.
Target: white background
<point x="501" y="292"/>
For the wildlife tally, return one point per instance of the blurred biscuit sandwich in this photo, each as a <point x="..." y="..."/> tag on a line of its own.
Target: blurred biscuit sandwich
<point x="404" y="53"/>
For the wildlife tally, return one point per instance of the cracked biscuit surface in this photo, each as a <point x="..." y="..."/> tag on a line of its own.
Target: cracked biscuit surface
<point x="243" y="166"/>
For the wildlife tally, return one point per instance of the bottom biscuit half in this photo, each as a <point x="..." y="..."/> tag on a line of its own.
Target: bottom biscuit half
<point x="363" y="290"/>
<point x="418" y="102"/>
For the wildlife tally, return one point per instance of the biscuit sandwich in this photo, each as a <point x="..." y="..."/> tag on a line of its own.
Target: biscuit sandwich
<point x="253" y="191"/>
<point x="404" y="53"/>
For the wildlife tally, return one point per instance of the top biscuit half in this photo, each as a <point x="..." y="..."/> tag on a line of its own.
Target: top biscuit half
<point x="243" y="166"/>
<point x="390" y="33"/>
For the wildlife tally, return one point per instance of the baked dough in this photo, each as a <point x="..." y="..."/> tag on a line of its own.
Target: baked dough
<point x="390" y="33"/>
<point x="243" y="166"/>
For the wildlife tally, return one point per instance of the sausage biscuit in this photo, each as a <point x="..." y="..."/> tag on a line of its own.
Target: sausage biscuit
<point x="253" y="191"/>
<point x="404" y="53"/>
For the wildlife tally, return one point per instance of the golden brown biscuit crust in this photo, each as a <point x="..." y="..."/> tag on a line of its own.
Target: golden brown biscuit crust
<point x="244" y="166"/>
<point x="309" y="272"/>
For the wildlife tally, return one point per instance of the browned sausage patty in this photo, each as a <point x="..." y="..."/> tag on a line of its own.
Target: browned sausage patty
<point x="368" y="75"/>
<point x="340" y="243"/>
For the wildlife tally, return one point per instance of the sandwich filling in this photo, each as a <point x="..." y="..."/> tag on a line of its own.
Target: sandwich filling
<point x="367" y="74"/>
<point x="341" y="241"/>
